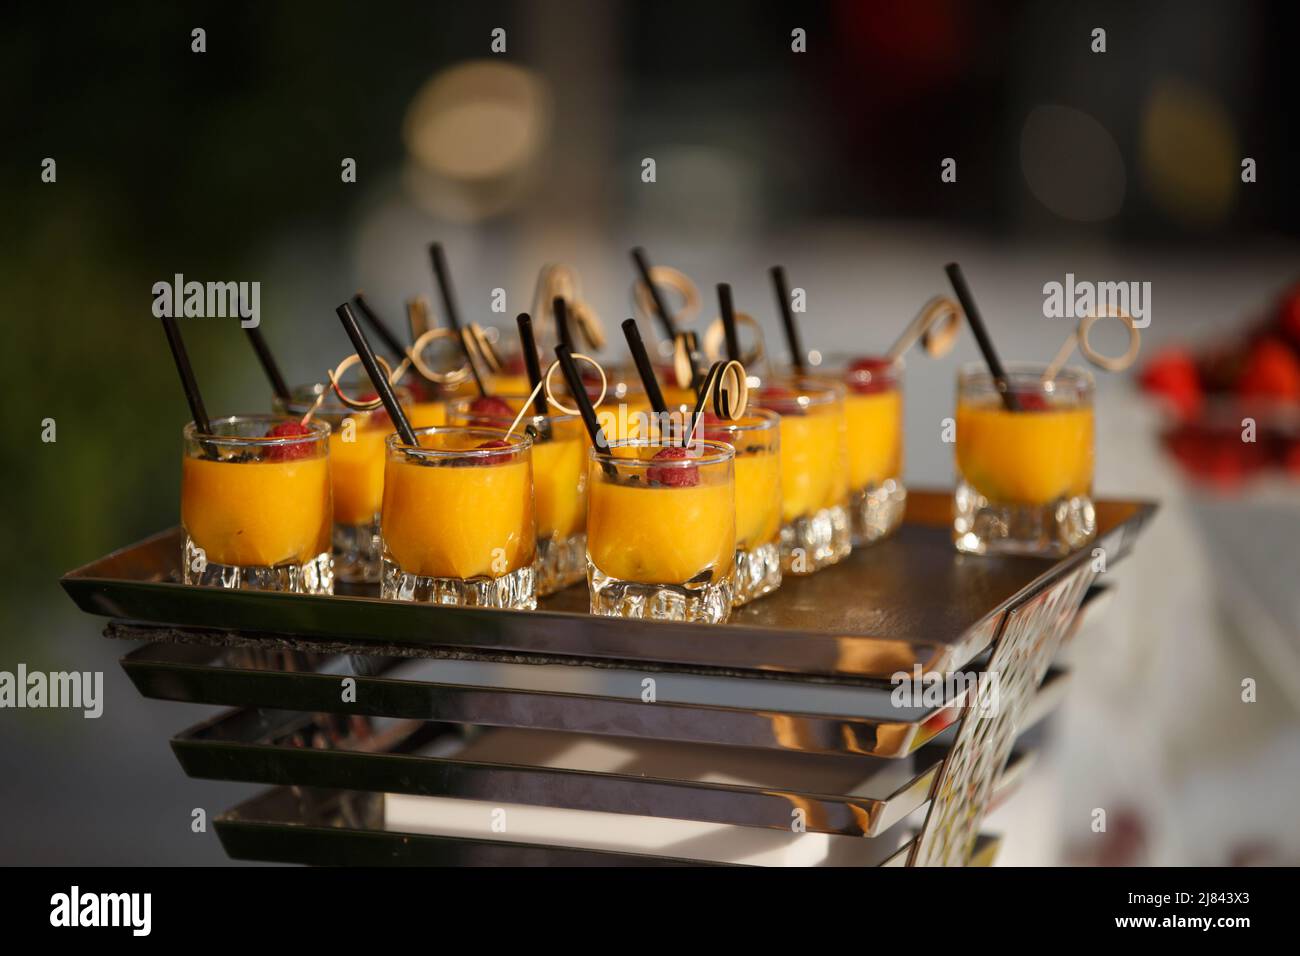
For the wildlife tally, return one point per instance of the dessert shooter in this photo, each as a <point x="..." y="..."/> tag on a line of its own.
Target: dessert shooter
<point x="559" y="458"/>
<point x="1024" y="466"/>
<point x="457" y="518"/>
<point x="873" y="412"/>
<point x="1025" y="444"/>
<point x="756" y="442"/>
<point x="255" y="495"/>
<point x="255" y="505"/>
<point x="457" y="522"/>
<point x="814" y="470"/>
<point x="661" y="530"/>
<point x="356" y="468"/>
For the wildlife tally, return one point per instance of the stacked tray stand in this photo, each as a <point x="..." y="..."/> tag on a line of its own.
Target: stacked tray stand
<point x="398" y="733"/>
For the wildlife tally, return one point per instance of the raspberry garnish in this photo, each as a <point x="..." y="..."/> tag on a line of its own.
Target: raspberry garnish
<point x="670" y="476"/>
<point x="1029" y="401"/>
<point x="494" y="443"/>
<point x="870" y="375"/>
<point x="292" y="451"/>
<point x="490" y="406"/>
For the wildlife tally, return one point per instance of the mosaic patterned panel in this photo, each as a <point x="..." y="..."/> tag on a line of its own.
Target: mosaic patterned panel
<point x="1029" y="640"/>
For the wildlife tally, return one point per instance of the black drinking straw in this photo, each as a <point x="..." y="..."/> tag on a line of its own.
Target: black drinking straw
<point x="579" y="393"/>
<point x="269" y="365"/>
<point x="729" y="321"/>
<point x="443" y="275"/>
<point x="787" y="318"/>
<point x="382" y="329"/>
<point x="643" y="367"/>
<point x="377" y="377"/>
<point x="661" y="307"/>
<point x="528" y="345"/>
<point x="981" y="335"/>
<point x="188" y="382"/>
<point x="560" y="309"/>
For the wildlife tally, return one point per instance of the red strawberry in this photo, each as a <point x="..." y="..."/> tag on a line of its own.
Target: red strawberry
<point x="774" y="393"/>
<point x="1172" y="374"/>
<point x="1031" y="401"/>
<point x="673" y="476"/>
<point x="500" y="451"/>
<point x="1272" y="371"/>
<point x="490" y="406"/>
<point x="288" y="452"/>
<point x="870" y="375"/>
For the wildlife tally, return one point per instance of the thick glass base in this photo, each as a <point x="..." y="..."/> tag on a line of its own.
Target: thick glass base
<point x="758" y="572"/>
<point x="817" y="541"/>
<point x="316" y="576"/>
<point x="561" y="562"/>
<point x="876" y="511"/>
<point x="980" y="526"/>
<point x="709" y="603"/>
<point x="358" y="552"/>
<point x="514" y="591"/>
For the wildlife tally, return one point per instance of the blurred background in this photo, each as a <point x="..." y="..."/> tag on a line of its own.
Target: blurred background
<point x="226" y="165"/>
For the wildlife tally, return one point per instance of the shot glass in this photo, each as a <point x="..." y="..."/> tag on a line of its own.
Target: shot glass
<point x="256" y="507"/>
<point x="814" y="470"/>
<point x="457" y="520"/>
<point x="873" y="413"/>
<point x="661" y="530"/>
<point x="756" y="440"/>
<point x="559" y="483"/>
<point x="1024" y="476"/>
<point x="356" y="474"/>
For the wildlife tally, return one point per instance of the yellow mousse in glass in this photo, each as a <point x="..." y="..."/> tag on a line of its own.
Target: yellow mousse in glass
<point x="661" y="530"/>
<point x="1024" y="461"/>
<point x="461" y="506"/>
<point x="559" y="480"/>
<point x="249" y="499"/>
<point x="559" y="458"/>
<point x="873" y="412"/>
<point x="756" y="439"/>
<point x="1033" y="456"/>
<point x="813" y="468"/>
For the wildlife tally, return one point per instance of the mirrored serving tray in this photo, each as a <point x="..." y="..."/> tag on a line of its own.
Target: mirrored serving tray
<point x="908" y="600"/>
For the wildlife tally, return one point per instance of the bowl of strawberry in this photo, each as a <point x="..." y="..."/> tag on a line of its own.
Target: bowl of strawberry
<point x="1233" y="407"/>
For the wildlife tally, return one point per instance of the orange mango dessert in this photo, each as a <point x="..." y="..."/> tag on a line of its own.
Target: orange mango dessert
<point x="875" y="436"/>
<point x="255" y="494"/>
<point x="467" y="513"/>
<point x="1025" y="457"/>
<point x="756" y="441"/>
<point x="258" y="513"/>
<point x="357" y="468"/>
<point x="661" y="531"/>
<point x="1024" y="461"/>
<point x="559" y="481"/>
<point x="814" y="470"/>
<point x="873" y="413"/>
<point x="661" y="535"/>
